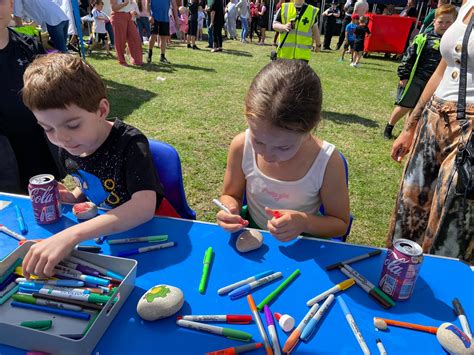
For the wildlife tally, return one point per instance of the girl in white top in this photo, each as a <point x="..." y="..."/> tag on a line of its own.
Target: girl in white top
<point x="285" y="172"/>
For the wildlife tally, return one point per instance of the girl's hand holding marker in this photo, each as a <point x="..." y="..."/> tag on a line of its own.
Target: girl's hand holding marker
<point x="285" y="225"/>
<point x="228" y="218"/>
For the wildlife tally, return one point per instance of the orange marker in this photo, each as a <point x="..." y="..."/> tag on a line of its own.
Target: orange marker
<point x="413" y="326"/>
<point x="236" y="349"/>
<point x="294" y="337"/>
<point x="261" y="329"/>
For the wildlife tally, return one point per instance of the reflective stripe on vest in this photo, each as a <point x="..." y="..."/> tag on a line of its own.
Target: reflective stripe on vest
<point x="299" y="41"/>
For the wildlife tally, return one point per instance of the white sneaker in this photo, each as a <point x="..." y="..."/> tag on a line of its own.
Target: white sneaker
<point x="356" y="65"/>
<point x="352" y="64"/>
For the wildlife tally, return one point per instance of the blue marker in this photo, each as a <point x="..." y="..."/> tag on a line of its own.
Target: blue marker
<point x="62" y="312"/>
<point x="309" y="329"/>
<point x="145" y="249"/>
<point x="29" y="287"/>
<point x="63" y="283"/>
<point x="245" y="289"/>
<point x="21" y="220"/>
<point x="229" y="288"/>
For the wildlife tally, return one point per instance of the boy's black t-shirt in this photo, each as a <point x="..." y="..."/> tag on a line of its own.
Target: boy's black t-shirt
<point x="120" y="167"/>
<point x="193" y="11"/>
<point x="360" y="32"/>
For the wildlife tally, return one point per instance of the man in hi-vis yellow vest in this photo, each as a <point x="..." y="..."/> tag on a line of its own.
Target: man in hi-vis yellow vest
<point x="296" y="22"/>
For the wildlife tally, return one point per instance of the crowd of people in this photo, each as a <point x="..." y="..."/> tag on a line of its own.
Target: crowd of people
<point x="285" y="171"/>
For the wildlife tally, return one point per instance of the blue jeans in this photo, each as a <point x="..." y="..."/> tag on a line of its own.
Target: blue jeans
<point x="210" y="33"/>
<point x="110" y="31"/>
<point x="245" y="28"/>
<point x="143" y="23"/>
<point x="58" y="35"/>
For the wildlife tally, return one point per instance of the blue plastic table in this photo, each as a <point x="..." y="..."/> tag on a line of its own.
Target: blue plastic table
<point x="439" y="282"/>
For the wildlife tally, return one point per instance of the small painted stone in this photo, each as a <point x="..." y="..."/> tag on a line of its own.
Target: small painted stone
<point x="454" y="340"/>
<point x="249" y="240"/>
<point x="84" y="210"/>
<point x="160" y="301"/>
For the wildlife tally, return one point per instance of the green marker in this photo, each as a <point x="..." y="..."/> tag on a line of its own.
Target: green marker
<point x="37" y="324"/>
<point x="280" y="287"/>
<point x="205" y="270"/>
<point x="153" y="239"/>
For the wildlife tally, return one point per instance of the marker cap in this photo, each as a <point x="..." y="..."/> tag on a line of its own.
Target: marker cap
<point x="236" y="334"/>
<point x="239" y="319"/>
<point x="94" y="298"/>
<point x="286" y="322"/>
<point x="346" y="284"/>
<point x="38" y="324"/>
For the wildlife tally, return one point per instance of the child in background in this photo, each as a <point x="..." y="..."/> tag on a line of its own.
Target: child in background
<point x="201" y="18"/>
<point x="360" y="32"/>
<point x="418" y="64"/>
<point x="111" y="161"/>
<point x="193" y="23"/>
<point x="100" y="32"/>
<point x="350" y="37"/>
<point x="183" y="23"/>
<point x="279" y="165"/>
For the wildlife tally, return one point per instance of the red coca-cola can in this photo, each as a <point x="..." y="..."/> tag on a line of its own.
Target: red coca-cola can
<point x="401" y="268"/>
<point x="44" y="194"/>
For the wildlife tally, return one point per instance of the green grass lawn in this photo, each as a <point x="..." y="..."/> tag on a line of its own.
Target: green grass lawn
<point x="199" y="109"/>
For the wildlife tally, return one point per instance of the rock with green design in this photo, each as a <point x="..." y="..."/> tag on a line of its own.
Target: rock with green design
<point x="160" y="301"/>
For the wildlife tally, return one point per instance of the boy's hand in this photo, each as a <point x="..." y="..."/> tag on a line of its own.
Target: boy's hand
<point x="151" y="19"/>
<point x="43" y="257"/>
<point x="231" y="222"/>
<point x="285" y="225"/>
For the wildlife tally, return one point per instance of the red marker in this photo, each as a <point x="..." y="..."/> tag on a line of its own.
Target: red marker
<point x="236" y="349"/>
<point x="227" y="318"/>
<point x="276" y="214"/>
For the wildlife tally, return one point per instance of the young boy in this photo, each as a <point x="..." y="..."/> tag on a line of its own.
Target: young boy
<point x="360" y="32"/>
<point x="111" y="161"/>
<point x="100" y="32"/>
<point x="350" y="37"/>
<point x="418" y="64"/>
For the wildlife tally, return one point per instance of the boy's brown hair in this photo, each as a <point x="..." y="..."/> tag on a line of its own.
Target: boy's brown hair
<point x="58" y="80"/>
<point x="446" y="10"/>
<point x="287" y="94"/>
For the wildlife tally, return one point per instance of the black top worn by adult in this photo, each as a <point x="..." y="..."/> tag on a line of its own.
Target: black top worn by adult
<point x="121" y="166"/>
<point x="218" y="7"/>
<point x="193" y="11"/>
<point x="430" y="57"/>
<point x="32" y="152"/>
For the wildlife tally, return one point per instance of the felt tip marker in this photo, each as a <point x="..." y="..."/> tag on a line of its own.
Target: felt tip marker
<point x="102" y="270"/>
<point x="294" y="337"/>
<point x="74" y="274"/>
<point x="311" y="326"/>
<point x="205" y="270"/>
<point x="353" y="325"/>
<point x="226" y="210"/>
<point x="236" y="349"/>
<point x="153" y="239"/>
<point x="125" y="253"/>
<point x="261" y="329"/>
<point x="62" y="312"/>
<point x="227" y="318"/>
<point x="354" y="259"/>
<point x="339" y="287"/>
<point x="271" y="330"/>
<point x="229" y="288"/>
<point x="88" y="297"/>
<point x="63" y="283"/>
<point x="47" y="303"/>
<point x="381" y="347"/>
<point x="226" y="332"/>
<point x="21" y="220"/>
<point x="245" y="289"/>
<point x="462" y="317"/>
<point x="11" y="233"/>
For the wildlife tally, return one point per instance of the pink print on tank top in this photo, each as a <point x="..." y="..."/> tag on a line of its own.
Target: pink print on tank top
<point x="275" y="195"/>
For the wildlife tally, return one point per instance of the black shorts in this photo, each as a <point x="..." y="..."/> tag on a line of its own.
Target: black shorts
<point x="359" y="45"/>
<point x="101" y="37"/>
<point x="349" y="44"/>
<point x="409" y="98"/>
<point x="160" y="28"/>
<point x="192" y="28"/>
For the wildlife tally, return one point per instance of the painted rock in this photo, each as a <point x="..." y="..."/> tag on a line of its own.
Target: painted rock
<point x="249" y="240"/>
<point x="84" y="210"/>
<point x="454" y="340"/>
<point x="160" y="301"/>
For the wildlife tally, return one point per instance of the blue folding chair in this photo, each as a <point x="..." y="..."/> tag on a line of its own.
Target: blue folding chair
<point x="168" y="167"/>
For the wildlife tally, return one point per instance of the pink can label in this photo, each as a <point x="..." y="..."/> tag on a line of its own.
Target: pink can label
<point x="400" y="270"/>
<point x="45" y="198"/>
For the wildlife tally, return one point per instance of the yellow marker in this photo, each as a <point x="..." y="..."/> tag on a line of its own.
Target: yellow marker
<point x="19" y="271"/>
<point x="339" y="287"/>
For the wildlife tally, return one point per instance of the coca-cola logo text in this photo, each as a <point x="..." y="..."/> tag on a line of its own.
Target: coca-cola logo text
<point x="394" y="264"/>
<point x="41" y="195"/>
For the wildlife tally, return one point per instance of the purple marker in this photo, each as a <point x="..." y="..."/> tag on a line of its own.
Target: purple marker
<point x="272" y="330"/>
<point x="145" y="249"/>
<point x="81" y="268"/>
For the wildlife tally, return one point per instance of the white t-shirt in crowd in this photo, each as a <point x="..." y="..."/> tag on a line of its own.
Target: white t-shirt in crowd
<point x="361" y="7"/>
<point x="99" y="24"/>
<point x="41" y="11"/>
<point x="450" y="47"/>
